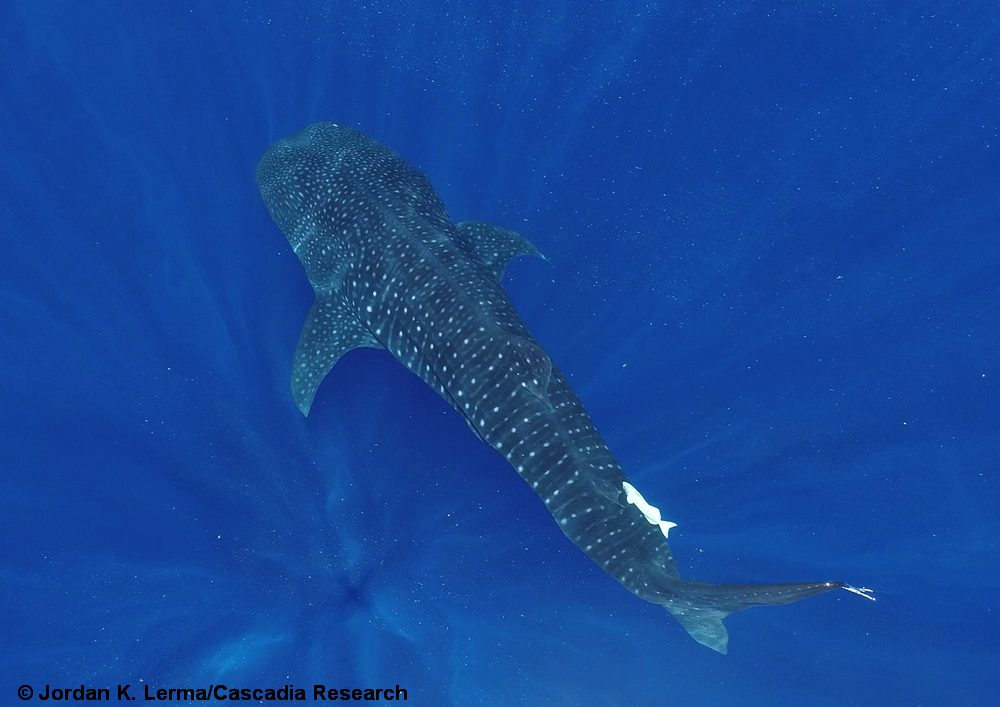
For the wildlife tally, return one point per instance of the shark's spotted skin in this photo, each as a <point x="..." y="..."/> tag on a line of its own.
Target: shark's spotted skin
<point x="392" y="270"/>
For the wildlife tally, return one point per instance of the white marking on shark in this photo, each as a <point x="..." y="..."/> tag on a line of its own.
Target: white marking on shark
<point x="652" y="513"/>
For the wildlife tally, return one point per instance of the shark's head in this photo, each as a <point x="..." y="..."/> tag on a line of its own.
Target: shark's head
<point x="330" y="187"/>
<point x="290" y="177"/>
<point x="309" y="183"/>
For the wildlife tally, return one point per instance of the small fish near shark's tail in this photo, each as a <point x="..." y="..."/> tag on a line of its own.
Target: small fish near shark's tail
<point x="700" y="608"/>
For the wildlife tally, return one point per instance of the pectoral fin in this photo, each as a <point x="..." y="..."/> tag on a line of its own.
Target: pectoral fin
<point x="331" y="330"/>
<point x="496" y="246"/>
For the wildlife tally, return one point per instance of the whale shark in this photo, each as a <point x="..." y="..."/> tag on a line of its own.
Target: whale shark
<point x="391" y="270"/>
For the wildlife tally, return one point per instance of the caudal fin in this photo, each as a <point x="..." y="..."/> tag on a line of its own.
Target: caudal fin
<point x="700" y="608"/>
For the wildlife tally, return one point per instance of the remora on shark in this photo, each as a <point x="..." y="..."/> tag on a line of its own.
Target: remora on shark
<point x="391" y="270"/>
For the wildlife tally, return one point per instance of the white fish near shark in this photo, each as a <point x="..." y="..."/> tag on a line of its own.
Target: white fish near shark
<point x="391" y="270"/>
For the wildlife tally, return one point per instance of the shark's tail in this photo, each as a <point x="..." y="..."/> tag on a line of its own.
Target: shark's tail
<point x="700" y="608"/>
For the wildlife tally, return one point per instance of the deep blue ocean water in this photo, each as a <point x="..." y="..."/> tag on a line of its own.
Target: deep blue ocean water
<point x="774" y="275"/>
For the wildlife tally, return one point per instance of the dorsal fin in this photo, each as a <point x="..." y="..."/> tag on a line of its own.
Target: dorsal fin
<point x="497" y="246"/>
<point x="330" y="331"/>
<point x="534" y="366"/>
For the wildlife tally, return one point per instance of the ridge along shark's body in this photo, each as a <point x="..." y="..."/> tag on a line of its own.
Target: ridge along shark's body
<point x="391" y="270"/>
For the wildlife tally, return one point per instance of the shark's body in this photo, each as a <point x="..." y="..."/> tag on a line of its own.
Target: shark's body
<point x="390" y="269"/>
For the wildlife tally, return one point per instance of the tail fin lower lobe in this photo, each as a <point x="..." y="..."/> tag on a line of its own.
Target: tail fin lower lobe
<point x="700" y="608"/>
